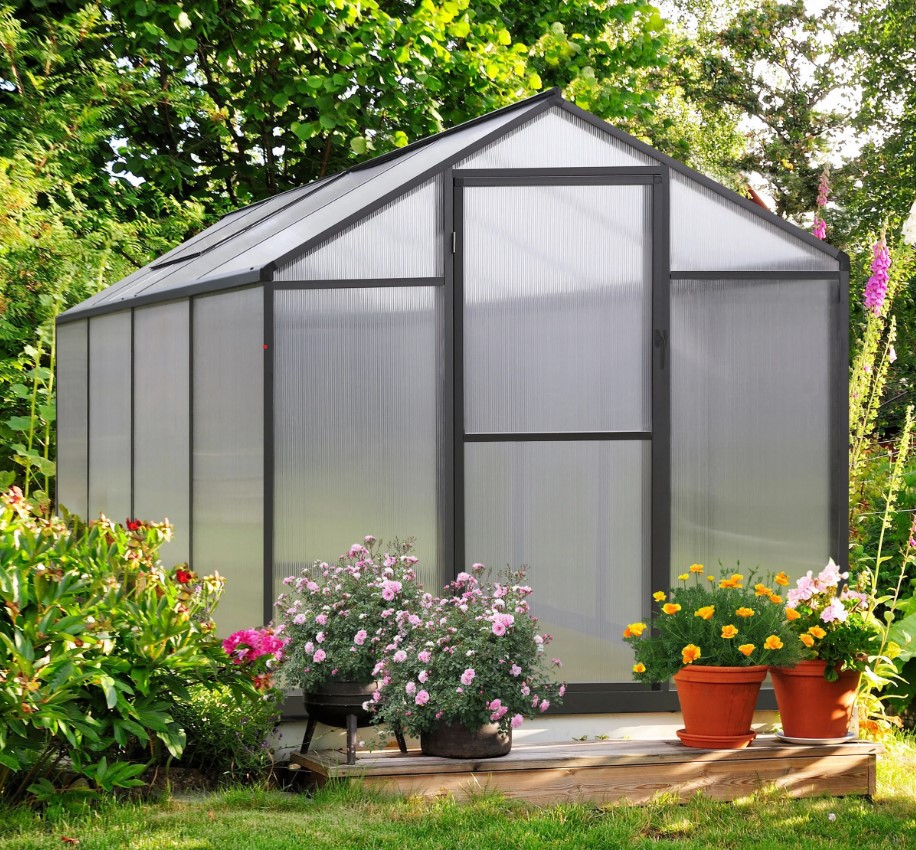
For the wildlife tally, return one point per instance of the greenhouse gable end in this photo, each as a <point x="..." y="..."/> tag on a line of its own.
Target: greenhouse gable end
<point x="530" y="339"/>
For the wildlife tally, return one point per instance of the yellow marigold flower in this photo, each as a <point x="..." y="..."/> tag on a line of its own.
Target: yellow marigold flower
<point x="690" y="653"/>
<point x="729" y="631"/>
<point x="772" y="642"/>
<point x="733" y="581"/>
<point x="746" y="649"/>
<point x="782" y="578"/>
<point x="817" y="632"/>
<point x="634" y="630"/>
<point x="807" y="640"/>
<point x="696" y="568"/>
<point x="683" y="577"/>
<point x="792" y="614"/>
<point x="659" y="596"/>
<point x="710" y="578"/>
<point x="639" y="668"/>
<point x="745" y="612"/>
<point x="776" y="599"/>
<point x="671" y="607"/>
<point x="762" y="590"/>
<point x="705" y="612"/>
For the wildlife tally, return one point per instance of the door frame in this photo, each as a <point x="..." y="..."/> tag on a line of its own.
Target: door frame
<point x="580" y="697"/>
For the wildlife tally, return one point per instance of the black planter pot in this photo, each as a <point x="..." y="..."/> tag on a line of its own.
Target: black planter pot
<point x="456" y="741"/>
<point x="334" y="702"/>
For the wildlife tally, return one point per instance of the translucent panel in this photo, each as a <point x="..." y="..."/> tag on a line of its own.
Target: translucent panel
<point x="578" y="515"/>
<point x="557" y="283"/>
<point x="355" y="423"/>
<point x="402" y="239"/>
<point x="228" y="489"/>
<point x="710" y="232"/>
<point x="72" y="415"/>
<point x="109" y="416"/>
<point x="162" y="422"/>
<point x="555" y="139"/>
<point x="750" y="423"/>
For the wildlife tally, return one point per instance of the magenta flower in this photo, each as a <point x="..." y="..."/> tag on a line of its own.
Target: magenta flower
<point x="820" y="228"/>
<point x="876" y="288"/>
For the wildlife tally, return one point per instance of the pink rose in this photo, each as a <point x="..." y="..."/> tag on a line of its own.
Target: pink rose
<point x="468" y="676"/>
<point x="423" y="656"/>
<point x="400" y="656"/>
<point x="319" y="656"/>
<point x="360" y="637"/>
<point x="421" y="698"/>
<point x="515" y="670"/>
<point x="410" y="688"/>
<point x="516" y="721"/>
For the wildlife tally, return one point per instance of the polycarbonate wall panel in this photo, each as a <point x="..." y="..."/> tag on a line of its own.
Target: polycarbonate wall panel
<point x="577" y="513"/>
<point x="557" y="292"/>
<point x="711" y="233"/>
<point x="355" y="435"/>
<point x="72" y="415"/>
<point x="555" y="139"/>
<point x="109" y="416"/>
<point x="162" y="422"/>
<point x="402" y="239"/>
<point x="228" y="354"/>
<point x="750" y="422"/>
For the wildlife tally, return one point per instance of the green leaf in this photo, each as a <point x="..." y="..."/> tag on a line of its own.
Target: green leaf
<point x="358" y="144"/>
<point x="107" y="684"/>
<point x="400" y="139"/>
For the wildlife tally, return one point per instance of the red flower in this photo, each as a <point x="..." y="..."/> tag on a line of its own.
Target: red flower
<point x="183" y="576"/>
<point x="133" y="524"/>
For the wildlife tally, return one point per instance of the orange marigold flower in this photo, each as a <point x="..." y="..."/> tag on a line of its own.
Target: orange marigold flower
<point x="634" y="630"/>
<point x="671" y="607"/>
<point x="817" y="632"/>
<point x="792" y="614"/>
<point x="696" y="568"/>
<point x="659" y="596"/>
<point x="781" y="578"/>
<point x="690" y="653"/>
<point x="729" y="631"/>
<point x="683" y="577"/>
<point x="639" y="667"/>
<point x="746" y="649"/>
<point x="762" y="590"/>
<point x="776" y="599"/>
<point x="807" y="640"/>
<point x="705" y="612"/>
<point x="745" y="612"/>
<point x="772" y="642"/>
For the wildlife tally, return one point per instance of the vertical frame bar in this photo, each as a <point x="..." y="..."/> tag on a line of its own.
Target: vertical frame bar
<point x="133" y="414"/>
<point x="268" y="450"/>
<point x="458" y="375"/>
<point x="839" y="450"/>
<point x="446" y="296"/>
<point x="660" y="517"/>
<point x="191" y="302"/>
<point x="88" y="413"/>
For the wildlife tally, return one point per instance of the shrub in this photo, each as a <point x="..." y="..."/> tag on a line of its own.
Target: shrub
<point x="97" y="641"/>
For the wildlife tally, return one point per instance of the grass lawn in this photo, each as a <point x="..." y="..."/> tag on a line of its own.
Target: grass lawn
<point x="339" y="817"/>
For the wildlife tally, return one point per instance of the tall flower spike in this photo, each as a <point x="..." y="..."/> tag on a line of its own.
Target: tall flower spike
<point x="819" y="228"/>
<point x="876" y="288"/>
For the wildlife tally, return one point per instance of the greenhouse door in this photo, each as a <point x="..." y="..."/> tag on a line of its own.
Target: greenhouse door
<point x="560" y="354"/>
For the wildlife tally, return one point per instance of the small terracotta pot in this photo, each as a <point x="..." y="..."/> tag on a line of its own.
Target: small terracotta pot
<point x="718" y="705"/>
<point x="456" y="741"/>
<point x="809" y="705"/>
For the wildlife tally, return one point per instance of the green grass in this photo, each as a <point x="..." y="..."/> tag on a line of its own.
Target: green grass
<point x="350" y="817"/>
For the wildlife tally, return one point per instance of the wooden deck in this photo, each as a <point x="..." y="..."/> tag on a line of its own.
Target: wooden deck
<point x="613" y="771"/>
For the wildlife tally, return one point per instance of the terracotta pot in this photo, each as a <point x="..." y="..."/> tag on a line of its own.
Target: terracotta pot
<point x="456" y="741"/>
<point x="332" y="702"/>
<point x="809" y="705"/>
<point x="718" y="705"/>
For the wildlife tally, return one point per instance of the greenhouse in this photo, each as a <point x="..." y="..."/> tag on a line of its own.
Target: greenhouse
<point x="530" y="339"/>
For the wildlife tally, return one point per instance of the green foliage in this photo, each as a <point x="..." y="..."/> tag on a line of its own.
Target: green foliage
<point x="97" y="641"/>
<point x="700" y="623"/>
<point x="227" y="736"/>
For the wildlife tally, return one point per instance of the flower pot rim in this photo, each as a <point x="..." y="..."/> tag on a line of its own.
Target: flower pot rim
<point x="754" y="667"/>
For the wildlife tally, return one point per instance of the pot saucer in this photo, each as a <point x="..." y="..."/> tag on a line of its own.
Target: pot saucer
<point x="715" y="742"/>
<point x="811" y="742"/>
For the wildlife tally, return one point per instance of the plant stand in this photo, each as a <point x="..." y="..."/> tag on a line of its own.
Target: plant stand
<point x="351" y="727"/>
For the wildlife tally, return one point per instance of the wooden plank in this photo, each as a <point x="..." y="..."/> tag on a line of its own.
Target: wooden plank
<point x="332" y="763"/>
<point x="641" y="784"/>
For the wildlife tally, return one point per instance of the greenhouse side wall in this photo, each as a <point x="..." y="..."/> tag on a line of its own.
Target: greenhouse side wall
<point x="73" y="416"/>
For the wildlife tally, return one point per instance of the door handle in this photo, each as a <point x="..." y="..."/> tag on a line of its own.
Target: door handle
<point x="661" y="343"/>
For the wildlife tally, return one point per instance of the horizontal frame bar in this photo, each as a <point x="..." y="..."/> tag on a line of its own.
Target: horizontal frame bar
<point x="556" y="436"/>
<point x="357" y="283"/>
<point x="465" y="174"/>
<point x="572" y="180"/>
<point x="781" y="274"/>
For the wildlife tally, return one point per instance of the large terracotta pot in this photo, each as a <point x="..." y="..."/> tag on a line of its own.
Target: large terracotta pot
<point x="718" y="705"/>
<point x="456" y="741"/>
<point x="809" y="705"/>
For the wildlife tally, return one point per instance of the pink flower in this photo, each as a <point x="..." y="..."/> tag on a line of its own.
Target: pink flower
<point x="834" y="611"/>
<point x="424" y="656"/>
<point x="820" y="228"/>
<point x="319" y="638"/>
<point x="360" y="637"/>
<point x="562" y="690"/>
<point x="515" y="670"/>
<point x="876" y="288"/>
<point x="545" y="704"/>
<point x="499" y="628"/>
<point x="556" y="662"/>
<point x="312" y="586"/>
<point x="299" y="619"/>
<point x="376" y="696"/>
<point x="421" y="698"/>
<point x="463" y="578"/>
<point x="319" y="656"/>
<point x="400" y="656"/>
<point x="516" y="721"/>
<point x="525" y="690"/>
<point x="495" y="705"/>
<point x="830" y="576"/>
<point x="468" y="676"/>
<point x="369" y="540"/>
<point x="410" y="687"/>
<point x="321" y="619"/>
<point x="422" y="676"/>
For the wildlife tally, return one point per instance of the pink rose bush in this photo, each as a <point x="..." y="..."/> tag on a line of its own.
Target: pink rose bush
<point x="472" y="656"/>
<point x="833" y="620"/>
<point x="339" y="617"/>
<point x="259" y="651"/>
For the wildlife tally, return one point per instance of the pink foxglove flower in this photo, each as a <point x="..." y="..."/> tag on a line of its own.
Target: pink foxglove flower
<point x="876" y="288"/>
